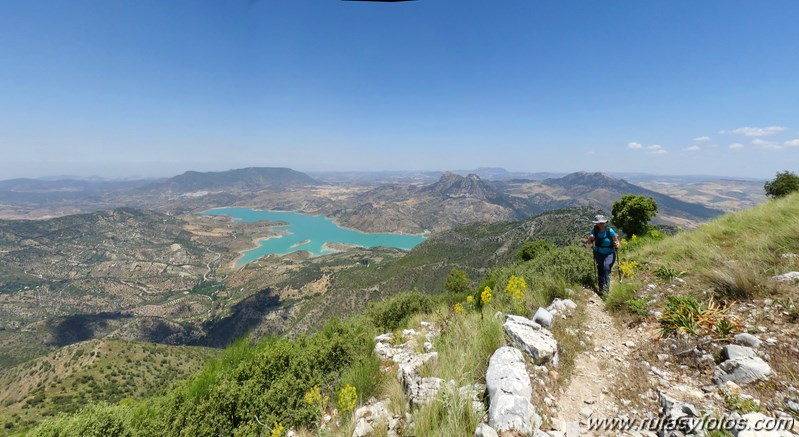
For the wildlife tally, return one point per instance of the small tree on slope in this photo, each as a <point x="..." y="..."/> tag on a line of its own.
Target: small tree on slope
<point x="457" y="281"/>
<point x="632" y="213"/>
<point x="784" y="183"/>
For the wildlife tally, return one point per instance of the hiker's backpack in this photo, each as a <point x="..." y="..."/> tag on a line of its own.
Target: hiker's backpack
<point x="607" y="238"/>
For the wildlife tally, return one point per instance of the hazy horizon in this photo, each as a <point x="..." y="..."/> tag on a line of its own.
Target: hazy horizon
<point x="134" y="176"/>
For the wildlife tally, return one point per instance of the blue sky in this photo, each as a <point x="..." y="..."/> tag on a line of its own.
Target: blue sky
<point x="153" y="88"/>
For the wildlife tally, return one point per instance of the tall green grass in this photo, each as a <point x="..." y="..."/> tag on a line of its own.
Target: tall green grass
<point x="449" y="415"/>
<point x="465" y="346"/>
<point x="734" y="254"/>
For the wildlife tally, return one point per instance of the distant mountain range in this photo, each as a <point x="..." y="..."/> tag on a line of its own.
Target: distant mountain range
<point x="599" y="190"/>
<point x="455" y="200"/>
<point x="387" y="203"/>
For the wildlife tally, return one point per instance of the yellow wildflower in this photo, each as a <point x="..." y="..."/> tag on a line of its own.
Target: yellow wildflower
<point x="347" y="398"/>
<point x="485" y="296"/>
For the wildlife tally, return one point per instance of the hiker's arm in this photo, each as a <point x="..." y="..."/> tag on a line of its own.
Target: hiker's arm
<point x="616" y="243"/>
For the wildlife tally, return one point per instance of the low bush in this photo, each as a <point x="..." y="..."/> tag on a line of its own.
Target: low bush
<point x="364" y="375"/>
<point x="533" y="249"/>
<point x="638" y="307"/>
<point x="394" y="312"/>
<point x="96" y="420"/>
<point x="547" y="276"/>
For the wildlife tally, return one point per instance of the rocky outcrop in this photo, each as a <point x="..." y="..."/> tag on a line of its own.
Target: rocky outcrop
<point x="787" y="277"/>
<point x="753" y="428"/>
<point x="510" y="409"/>
<point x="543" y="317"/>
<point x="531" y="338"/>
<point x="562" y="306"/>
<point x="682" y="413"/>
<point x="483" y="430"/>
<point x="747" y="339"/>
<point x="734" y="352"/>
<point x="409" y="362"/>
<point x="741" y="370"/>
<point x="422" y="390"/>
<point x="377" y="414"/>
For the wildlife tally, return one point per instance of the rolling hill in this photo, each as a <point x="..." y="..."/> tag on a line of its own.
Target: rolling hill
<point x="98" y="370"/>
<point x="243" y="179"/>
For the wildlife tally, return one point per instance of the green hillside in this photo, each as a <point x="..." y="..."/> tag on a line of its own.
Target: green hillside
<point x="475" y="248"/>
<point x="280" y="383"/>
<point x="270" y="379"/>
<point x="113" y="371"/>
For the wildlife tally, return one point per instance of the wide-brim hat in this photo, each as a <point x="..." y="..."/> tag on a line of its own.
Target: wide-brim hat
<point x="599" y="219"/>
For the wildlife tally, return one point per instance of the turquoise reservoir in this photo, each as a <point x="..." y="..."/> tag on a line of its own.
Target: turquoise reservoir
<point x="316" y="229"/>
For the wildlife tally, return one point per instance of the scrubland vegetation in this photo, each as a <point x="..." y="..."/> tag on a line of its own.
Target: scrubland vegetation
<point x="281" y="383"/>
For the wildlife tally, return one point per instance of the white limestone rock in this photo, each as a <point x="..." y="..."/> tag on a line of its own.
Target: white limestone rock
<point x="562" y="306"/>
<point x="734" y="352"/>
<point x="531" y="338"/>
<point x="510" y="393"/>
<point x="409" y="364"/>
<point x="374" y="412"/>
<point x="422" y="390"/>
<point x="484" y="430"/>
<point x="741" y="371"/>
<point x="747" y="339"/>
<point x="754" y="421"/>
<point x="786" y="277"/>
<point x="543" y="318"/>
<point x="363" y="429"/>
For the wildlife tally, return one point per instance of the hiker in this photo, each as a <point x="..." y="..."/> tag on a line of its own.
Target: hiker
<point x="605" y="242"/>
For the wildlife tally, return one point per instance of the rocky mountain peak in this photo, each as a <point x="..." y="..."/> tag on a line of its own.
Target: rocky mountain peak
<point x="453" y="185"/>
<point x="584" y="178"/>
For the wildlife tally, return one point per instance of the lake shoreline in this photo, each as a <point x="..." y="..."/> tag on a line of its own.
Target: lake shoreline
<point x="335" y="221"/>
<point x="321" y="230"/>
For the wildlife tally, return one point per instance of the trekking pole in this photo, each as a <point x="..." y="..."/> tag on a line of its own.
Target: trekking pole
<point x="618" y="264"/>
<point x="594" y="267"/>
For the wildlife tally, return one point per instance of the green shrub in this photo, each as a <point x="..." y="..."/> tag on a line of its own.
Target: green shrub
<point x="268" y="381"/>
<point x="96" y="420"/>
<point x="457" y="281"/>
<point x="393" y="313"/>
<point x="364" y="375"/>
<point x="742" y="405"/>
<point x="638" y="307"/>
<point x="633" y="212"/>
<point x="532" y="249"/>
